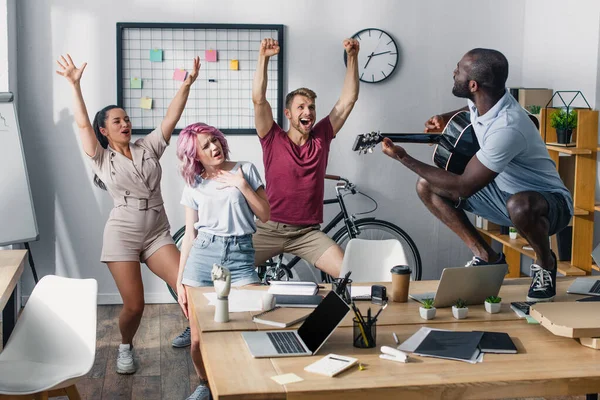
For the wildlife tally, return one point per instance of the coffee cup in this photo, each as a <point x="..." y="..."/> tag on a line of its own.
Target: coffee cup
<point x="400" y="283"/>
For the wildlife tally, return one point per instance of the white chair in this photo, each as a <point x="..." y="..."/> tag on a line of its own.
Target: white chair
<point x="372" y="260"/>
<point x="54" y="341"/>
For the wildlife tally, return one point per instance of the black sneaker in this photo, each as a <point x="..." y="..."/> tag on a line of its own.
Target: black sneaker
<point x="543" y="284"/>
<point x="476" y="261"/>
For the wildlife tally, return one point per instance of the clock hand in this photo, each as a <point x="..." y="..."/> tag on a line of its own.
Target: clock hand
<point x="377" y="54"/>
<point x="369" y="59"/>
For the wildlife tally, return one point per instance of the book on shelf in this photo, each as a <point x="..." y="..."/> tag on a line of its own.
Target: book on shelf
<point x="293" y="287"/>
<point x="282" y="317"/>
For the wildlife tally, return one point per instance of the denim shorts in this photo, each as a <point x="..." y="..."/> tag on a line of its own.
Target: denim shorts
<point x="490" y="203"/>
<point x="236" y="253"/>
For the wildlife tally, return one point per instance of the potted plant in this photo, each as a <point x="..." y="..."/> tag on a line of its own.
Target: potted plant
<point x="535" y="111"/>
<point x="493" y="304"/>
<point x="564" y="123"/>
<point x="427" y="310"/>
<point x="460" y="310"/>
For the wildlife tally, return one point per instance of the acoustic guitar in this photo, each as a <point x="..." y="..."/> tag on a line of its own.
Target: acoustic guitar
<point x="454" y="147"/>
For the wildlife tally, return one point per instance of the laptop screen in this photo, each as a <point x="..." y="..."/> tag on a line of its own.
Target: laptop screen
<point x="322" y="321"/>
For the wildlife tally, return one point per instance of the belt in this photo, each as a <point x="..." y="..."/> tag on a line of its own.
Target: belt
<point x="140" y="204"/>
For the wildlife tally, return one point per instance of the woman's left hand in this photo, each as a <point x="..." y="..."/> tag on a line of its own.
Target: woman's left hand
<point x="231" y="180"/>
<point x="191" y="78"/>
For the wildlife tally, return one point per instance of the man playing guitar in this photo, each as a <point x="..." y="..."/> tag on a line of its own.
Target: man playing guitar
<point x="510" y="181"/>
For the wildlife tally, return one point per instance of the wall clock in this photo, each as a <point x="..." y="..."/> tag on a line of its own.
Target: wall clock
<point x="378" y="56"/>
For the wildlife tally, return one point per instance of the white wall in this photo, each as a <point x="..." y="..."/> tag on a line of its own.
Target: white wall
<point x="432" y="35"/>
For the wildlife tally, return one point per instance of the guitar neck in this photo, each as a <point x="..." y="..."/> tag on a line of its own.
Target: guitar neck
<point x="413" y="137"/>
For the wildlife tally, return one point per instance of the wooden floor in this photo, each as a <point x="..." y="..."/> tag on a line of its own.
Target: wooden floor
<point x="164" y="372"/>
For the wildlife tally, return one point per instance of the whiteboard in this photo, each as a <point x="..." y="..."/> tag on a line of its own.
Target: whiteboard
<point x="17" y="215"/>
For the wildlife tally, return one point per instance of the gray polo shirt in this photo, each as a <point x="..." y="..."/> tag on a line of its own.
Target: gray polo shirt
<point x="512" y="146"/>
<point x="223" y="212"/>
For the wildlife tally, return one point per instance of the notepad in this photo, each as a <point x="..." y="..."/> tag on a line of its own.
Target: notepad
<point x="497" y="342"/>
<point x="331" y="365"/>
<point x="461" y="346"/>
<point x="282" y="317"/>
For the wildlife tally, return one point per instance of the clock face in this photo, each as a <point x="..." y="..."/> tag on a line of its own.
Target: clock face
<point x="378" y="55"/>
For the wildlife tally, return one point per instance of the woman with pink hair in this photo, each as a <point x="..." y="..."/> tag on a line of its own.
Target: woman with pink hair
<point x="221" y="199"/>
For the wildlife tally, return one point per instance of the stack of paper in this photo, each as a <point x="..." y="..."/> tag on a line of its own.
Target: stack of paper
<point x="293" y="287"/>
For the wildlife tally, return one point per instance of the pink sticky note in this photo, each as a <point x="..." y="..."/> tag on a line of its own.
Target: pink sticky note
<point x="210" y="55"/>
<point x="180" y="75"/>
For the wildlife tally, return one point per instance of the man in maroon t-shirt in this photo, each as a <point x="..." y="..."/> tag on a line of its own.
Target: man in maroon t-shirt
<point x="295" y="163"/>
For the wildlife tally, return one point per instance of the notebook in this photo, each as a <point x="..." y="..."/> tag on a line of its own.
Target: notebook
<point x="282" y="317"/>
<point x="521" y="308"/>
<point x="497" y="342"/>
<point x="461" y="346"/>
<point x="298" y="300"/>
<point x="331" y="365"/>
<point x="293" y="287"/>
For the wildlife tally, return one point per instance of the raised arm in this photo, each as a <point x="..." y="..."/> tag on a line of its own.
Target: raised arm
<point x="263" y="115"/>
<point x="191" y="217"/>
<point x="345" y="104"/>
<point x="178" y="103"/>
<point x="86" y="131"/>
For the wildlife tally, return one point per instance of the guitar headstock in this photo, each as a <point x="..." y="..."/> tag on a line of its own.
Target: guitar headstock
<point x="366" y="142"/>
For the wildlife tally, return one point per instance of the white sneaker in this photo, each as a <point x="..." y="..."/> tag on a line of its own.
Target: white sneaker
<point x="125" y="364"/>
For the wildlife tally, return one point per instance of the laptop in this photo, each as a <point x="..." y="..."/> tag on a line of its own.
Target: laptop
<point x="471" y="284"/>
<point x="306" y="340"/>
<point x="587" y="286"/>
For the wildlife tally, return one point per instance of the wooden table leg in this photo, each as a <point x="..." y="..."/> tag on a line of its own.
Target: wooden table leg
<point x="513" y="259"/>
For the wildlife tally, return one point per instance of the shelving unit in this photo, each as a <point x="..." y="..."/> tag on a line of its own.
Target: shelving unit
<point x="583" y="191"/>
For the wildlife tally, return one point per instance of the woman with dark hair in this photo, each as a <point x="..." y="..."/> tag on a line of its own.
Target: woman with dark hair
<point x="137" y="229"/>
<point x="221" y="198"/>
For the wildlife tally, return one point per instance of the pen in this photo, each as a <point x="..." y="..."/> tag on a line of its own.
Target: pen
<point x="369" y="315"/>
<point x="342" y="286"/>
<point x="378" y="312"/>
<point x="360" y="322"/>
<point x="395" y="338"/>
<point x="337" y="359"/>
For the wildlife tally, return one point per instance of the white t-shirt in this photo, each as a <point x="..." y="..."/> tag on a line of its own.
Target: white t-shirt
<point x="223" y="212"/>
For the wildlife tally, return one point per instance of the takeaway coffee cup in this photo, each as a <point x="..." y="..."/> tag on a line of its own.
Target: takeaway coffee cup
<point x="400" y="283"/>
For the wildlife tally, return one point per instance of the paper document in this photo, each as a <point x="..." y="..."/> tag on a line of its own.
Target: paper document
<point x="360" y="291"/>
<point x="240" y="300"/>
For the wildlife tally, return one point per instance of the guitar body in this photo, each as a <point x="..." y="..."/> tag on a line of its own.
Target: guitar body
<point x="457" y="144"/>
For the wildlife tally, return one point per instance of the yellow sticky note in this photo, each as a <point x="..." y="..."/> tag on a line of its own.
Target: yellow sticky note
<point x="146" y="103"/>
<point x="286" y="378"/>
<point x="234" y="65"/>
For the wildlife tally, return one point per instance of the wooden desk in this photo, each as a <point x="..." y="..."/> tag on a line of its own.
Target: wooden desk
<point x="12" y="263"/>
<point x="546" y="364"/>
<point x="395" y="313"/>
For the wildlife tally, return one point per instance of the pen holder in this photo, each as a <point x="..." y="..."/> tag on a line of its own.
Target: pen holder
<point x="345" y="295"/>
<point x="365" y="337"/>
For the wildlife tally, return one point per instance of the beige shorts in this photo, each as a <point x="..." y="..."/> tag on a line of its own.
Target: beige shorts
<point x="272" y="238"/>
<point x="134" y="235"/>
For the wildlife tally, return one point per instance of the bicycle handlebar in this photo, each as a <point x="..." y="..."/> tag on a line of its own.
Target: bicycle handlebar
<point x="333" y="177"/>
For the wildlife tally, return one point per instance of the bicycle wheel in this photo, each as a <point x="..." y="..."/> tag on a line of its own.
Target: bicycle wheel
<point x="375" y="229"/>
<point x="177" y="238"/>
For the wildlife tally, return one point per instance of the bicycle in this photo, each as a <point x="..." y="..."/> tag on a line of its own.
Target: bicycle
<point x="369" y="228"/>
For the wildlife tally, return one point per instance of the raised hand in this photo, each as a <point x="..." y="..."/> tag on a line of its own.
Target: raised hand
<point x="191" y="78"/>
<point x="391" y="150"/>
<point x="351" y="46"/>
<point x="69" y="70"/>
<point x="268" y="47"/>
<point x="231" y="180"/>
<point x="435" y="124"/>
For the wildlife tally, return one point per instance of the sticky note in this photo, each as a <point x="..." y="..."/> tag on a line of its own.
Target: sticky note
<point x="286" y="378"/>
<point x="146" y="103"/>
<point x="156" y="55"/>
<point x="531" y="320"/>
<point x="180" y="75"/>
<point x="135" y="83"/>
<point x="210" y="55"/>
<point x="234" y="65"/>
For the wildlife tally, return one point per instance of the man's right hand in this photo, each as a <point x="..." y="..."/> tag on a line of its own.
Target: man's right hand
<point x="435" y="124"/>
<point x="268" y="47"/>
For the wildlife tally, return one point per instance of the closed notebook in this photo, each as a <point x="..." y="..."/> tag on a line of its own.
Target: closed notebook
<point x="497" y="342"/>
<point x="451" y="345"/>
<point x="298" y="300"/>
<point x="282" y="317"/>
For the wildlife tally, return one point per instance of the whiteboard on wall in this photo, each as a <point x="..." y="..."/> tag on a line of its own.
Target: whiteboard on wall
<point x="17" y="215"/>
<point x="151" y="57"/>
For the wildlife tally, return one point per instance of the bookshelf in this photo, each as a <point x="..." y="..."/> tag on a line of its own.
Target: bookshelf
<point x="583" y="186"/>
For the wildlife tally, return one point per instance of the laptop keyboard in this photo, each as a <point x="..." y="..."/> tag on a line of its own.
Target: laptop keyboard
<point x="286" y="342"/>
<point x="595" y="287"/>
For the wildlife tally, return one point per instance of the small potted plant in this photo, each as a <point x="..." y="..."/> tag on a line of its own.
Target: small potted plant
<point x="493" y="304"/>
<point x="535" y="111"/>
<point x="460" y="310"/>
<point x="427" y="310"/>
<point x="564" y="123"/>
